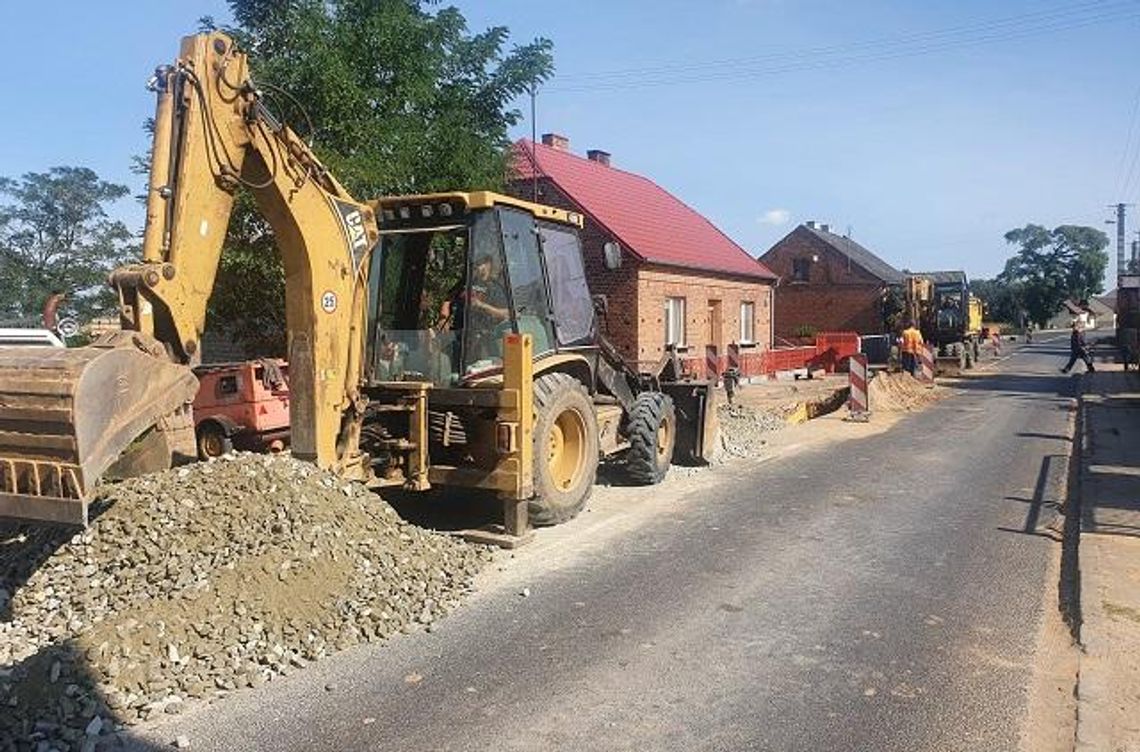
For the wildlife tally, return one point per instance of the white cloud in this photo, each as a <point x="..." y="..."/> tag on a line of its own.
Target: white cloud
<point x="775" y="217"/>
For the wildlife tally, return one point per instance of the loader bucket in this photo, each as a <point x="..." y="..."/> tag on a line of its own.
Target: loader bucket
<point x="697" y="424"/>
<point x="66" y="415"/>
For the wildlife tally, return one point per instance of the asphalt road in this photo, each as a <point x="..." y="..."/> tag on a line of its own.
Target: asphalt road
<point x="880" y="594"/>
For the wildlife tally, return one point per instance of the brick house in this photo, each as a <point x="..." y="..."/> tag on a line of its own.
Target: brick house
<point x="828" y="283"/>
<point x="679" y="281"/>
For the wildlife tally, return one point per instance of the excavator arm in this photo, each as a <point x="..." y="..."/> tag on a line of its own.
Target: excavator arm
<point x="66" y="419"/>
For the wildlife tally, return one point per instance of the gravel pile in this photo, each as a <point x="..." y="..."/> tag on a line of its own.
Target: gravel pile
<point x="743" y="431"/>
<point x="200" y="581"/>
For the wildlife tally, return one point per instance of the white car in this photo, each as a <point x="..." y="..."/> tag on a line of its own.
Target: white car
<point x="29" y="337"/>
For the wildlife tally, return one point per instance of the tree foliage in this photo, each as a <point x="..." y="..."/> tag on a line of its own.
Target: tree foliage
<point x="1002" y="301"/>
<point x="55" y="235"/>
<point x="1052" y="266"/>
<point x="397" y="98"/>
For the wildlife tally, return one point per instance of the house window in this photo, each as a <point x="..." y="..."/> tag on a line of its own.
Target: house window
<point x="675" y="322"/>
<point x="747" y="323"/>
<point x="801" y="269"/>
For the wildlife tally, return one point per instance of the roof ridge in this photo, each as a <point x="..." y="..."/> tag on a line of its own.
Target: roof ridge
<point x="826" y="237"/>
<point x="538" y="168"/>
<point x="531" y="149"/>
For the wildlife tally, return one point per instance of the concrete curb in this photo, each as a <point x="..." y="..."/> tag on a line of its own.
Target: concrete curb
<point x="1092" y="693"/>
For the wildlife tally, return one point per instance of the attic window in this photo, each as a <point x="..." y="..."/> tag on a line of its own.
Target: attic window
<point x="801" y="269"/>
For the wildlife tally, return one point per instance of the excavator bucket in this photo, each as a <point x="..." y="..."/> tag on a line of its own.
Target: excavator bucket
<point x="66" y="416"/>
<point x="697" y="425"/>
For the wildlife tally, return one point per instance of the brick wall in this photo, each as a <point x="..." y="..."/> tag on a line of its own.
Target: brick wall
<point x="838" y="295"/>
<point x="655" y="284"/>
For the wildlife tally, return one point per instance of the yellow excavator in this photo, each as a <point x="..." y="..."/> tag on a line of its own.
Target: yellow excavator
<point x="436" y="340"/>
<point x="950" y="318"/>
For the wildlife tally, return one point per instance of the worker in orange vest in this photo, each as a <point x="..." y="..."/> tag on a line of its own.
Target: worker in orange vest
<point x="910" y="345"/>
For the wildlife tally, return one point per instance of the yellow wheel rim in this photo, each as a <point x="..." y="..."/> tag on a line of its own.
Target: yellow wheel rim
<point x="566" y="447"/>
<point x="212" y="445"/>
<point x="664" y="434"/>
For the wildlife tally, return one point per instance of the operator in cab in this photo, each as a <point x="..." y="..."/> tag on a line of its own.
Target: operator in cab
<point x="480" y="306"/>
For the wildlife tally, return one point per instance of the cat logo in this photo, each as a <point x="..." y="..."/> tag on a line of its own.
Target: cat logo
<point x="355" y="226"/>
<point x="354" y="231"/>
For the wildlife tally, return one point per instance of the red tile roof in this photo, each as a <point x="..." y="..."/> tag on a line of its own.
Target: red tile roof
<point x="646" y="219"/>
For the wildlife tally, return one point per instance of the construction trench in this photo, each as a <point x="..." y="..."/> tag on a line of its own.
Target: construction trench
<point x="200" y="581"/>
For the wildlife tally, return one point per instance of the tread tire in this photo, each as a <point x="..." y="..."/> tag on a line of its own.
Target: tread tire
<point x="555" y="394"/>
<point x="210" y="438"/>
<point x="644" y="463"/>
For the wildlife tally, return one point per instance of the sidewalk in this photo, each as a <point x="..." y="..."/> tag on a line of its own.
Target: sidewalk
<point x="1108" y="692"/>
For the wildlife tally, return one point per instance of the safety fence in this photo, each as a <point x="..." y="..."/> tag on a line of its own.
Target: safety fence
<point x="831" y="352"/>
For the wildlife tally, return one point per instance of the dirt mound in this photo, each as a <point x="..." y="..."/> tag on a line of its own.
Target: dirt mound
<point x="201" y="580"/>
<point x="899" y="392"/>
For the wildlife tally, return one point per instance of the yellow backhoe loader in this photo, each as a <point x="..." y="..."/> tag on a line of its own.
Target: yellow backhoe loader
<point x="446" y="339"/>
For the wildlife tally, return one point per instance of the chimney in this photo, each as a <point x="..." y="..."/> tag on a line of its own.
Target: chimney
<point x="825" y="228"/>
<point x="810" y="224"/>
<point x="556" y="141"/>
<point x="599" y="156"/>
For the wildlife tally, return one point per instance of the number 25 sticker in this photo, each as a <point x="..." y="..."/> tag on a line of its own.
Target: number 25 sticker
<point x="328" y="301"/>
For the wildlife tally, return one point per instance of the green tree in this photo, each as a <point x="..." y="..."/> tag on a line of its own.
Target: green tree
<point x="397" y="98"/>
<point x="1002" y="300"/>
<point x="1054" y="265"/>
<point x="55" y="235"/>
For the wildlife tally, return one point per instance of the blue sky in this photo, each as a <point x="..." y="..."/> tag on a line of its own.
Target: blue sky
<point x="927" y="128"/>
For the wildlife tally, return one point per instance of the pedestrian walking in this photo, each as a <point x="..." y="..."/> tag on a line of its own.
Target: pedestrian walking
<point x="910" y="344"/>
<point x="1078" y="350"/>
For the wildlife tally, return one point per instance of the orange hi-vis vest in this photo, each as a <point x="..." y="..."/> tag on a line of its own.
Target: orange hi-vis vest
<point x="911" y="341"/>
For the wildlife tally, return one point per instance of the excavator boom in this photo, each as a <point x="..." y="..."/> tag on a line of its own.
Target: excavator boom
<point x="123" y="404"/>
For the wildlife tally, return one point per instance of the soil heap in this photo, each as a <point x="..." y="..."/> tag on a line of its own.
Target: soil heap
<point x="197" y="581"/>
<point x="899" y="392"/>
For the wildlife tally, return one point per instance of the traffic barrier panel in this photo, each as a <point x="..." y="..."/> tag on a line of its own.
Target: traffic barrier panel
<point x="734" y="357"/>
<point x="926" y="364"/>
<point x="857" y="405"/>
<point x="712" y="363"/>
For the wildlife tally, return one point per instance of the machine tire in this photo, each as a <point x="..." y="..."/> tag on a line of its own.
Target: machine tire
<point x="566" y="449"/>
<point x="652" y="436"/>
<point x="212" y="440"/>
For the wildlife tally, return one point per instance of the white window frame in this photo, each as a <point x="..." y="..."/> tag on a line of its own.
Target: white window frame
<point x="675" y="321"/>
<point x="747" y="322"/>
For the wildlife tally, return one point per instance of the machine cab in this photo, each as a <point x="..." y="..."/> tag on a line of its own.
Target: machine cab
<point x="455" y="272"/>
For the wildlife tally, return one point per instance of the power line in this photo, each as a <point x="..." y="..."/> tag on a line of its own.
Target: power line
<point x="1126" y="170"/>
<point x="919" y="36"/>
<point x="916" y="44"/>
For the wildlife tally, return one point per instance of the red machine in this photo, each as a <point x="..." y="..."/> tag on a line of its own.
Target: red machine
<point x="241" y="404"/>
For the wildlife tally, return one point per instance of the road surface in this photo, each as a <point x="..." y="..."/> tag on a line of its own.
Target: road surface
<point x="885" y="593"/>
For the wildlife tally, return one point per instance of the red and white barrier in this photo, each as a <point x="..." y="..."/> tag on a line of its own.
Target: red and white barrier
<point x="857" y="405"/>
<point x="734" y="357"/>
<point x="712" y="364"/>
<point x="926" y="364"/>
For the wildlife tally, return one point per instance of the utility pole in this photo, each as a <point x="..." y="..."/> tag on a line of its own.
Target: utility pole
<point x="1121" y="266"/>
<point x="533" y="141"/>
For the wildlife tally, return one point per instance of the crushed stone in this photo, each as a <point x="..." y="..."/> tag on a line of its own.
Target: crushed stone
<point x="198" y="581"/>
